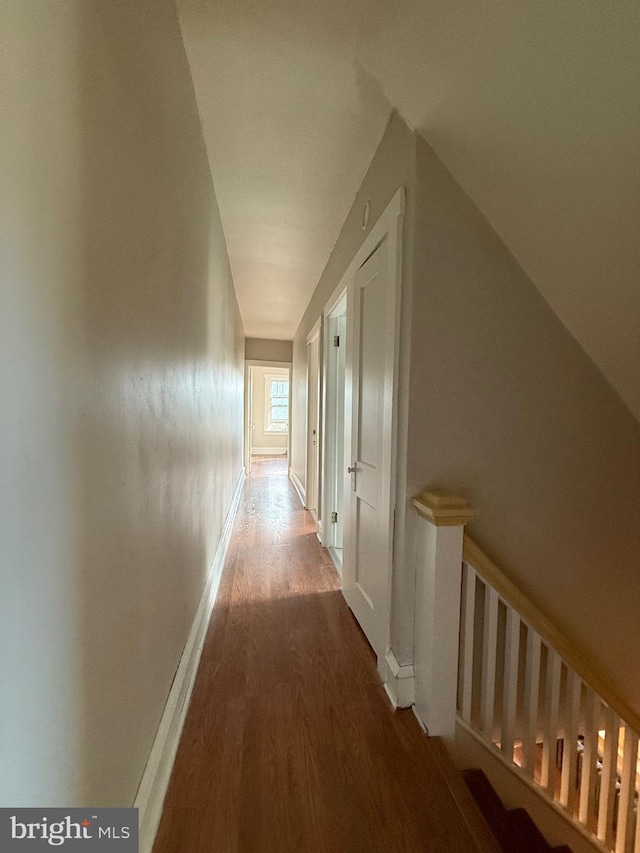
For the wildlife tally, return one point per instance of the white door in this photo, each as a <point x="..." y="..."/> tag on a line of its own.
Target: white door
<point x="369" y="494"/>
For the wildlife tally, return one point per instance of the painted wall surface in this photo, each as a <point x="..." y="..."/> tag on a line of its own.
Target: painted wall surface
<point x="261" y="438"/>
<point x="261" y="349"/>
<point x="121" y="376"/>
<point x="392" y="166"/>
<point x="506" y="406"/>
<point x="502" y="403"/>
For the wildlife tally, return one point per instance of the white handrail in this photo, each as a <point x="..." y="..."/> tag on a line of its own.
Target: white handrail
<point x="525" y="691"/>
<point x="531" y="615"/>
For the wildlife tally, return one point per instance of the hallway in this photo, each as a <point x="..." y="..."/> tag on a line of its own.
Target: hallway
<point x="290" y="743"/>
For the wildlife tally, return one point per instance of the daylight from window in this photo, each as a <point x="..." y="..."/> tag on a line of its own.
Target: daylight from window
<point x="277" y="403"/>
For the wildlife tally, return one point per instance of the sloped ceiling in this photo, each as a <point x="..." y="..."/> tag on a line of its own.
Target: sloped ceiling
<point x="535" y="109"/>
<point x="533" y="106"/>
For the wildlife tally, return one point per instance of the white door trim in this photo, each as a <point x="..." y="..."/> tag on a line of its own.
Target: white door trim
<point x="312" y="465"/>
<point x="315" y="331"/>
<point x="248" y="378"/>
<point x="388" y="226"/>
<point x="248" y="364"/>
<point x="336" y="306"/>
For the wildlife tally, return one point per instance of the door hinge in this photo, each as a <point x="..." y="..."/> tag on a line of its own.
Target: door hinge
<point x="336" y="340"/>
<point x="334" y="518"/>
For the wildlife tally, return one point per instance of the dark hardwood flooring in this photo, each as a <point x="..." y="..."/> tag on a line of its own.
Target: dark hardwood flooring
<point x="290" y="743"/>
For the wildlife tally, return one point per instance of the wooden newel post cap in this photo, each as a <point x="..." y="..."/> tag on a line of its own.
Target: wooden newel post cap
<point x="443" y="509"/>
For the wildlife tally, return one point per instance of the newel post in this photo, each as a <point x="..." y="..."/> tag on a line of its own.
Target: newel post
<point x="439" y="538"/>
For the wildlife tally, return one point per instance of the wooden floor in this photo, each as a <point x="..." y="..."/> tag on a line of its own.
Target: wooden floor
<point x="290" y="743"/>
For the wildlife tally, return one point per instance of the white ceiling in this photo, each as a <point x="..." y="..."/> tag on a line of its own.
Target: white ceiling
<point x="533" y="106"/>
<point x="291" y="125"/>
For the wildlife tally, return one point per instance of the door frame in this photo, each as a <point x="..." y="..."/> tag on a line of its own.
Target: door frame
<point x="334" y="308"/>
<point x="314" y="483"/>
<point x="248" y="380"/>
<point x="389" y="226"/>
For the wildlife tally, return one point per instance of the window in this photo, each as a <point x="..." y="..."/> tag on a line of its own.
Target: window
<point x="276" y="398"/>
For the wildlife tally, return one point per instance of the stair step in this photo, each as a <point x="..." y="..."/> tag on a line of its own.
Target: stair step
<point x="515" y="830"/>
<point x="535" y="840"/>
<point x="471" y="813"/>
<point x="494" y="812"/>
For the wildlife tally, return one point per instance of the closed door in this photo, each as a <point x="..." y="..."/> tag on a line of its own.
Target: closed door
<point x="369" y="492"/>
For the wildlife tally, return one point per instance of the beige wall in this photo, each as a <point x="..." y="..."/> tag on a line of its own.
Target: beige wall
<point x="121" y="383"/>
<point x="497" y="398"/>
<point x="506" y="405"/>
<point x="261" y="438"/>
<point x="392" y="166"/>
<point x="261" y="349"/>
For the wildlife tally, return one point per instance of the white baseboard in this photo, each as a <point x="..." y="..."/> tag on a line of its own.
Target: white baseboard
<point x="155" y="779"/>
<point x="399" y="682"/>
<point x="336" y="556"/>
<point x="297" y="485"/>
<point x="268" y="451"/>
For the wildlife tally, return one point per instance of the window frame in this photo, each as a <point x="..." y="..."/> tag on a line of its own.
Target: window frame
<point x="269" y="425"/>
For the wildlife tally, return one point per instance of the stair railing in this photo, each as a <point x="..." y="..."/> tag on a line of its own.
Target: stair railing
<point x="523" y="691"/>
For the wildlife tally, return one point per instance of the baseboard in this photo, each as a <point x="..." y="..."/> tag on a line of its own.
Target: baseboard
<point x="399" y="682"/>
<point x="297" y="485"/>
<point x="268" y="451"/>
<point x="155" y="779"/>
<point x="336" y="556"/>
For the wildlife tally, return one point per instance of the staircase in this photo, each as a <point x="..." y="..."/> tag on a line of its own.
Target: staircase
<point x="513" y="829"/>
<point x="494" y="829"/>
<point x="510" y="695"/>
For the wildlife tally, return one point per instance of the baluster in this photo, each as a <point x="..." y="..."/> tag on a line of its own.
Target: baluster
<point x="467" y="633"/>
<point x="550" y="743"/>
<point x="489" y="644"/>
<point x="589" y="775"/>
<point x="568" y="788"/>
<point x="510" y="687"/>
<point x="531" y="702"/>
<point x="624" y="837"/>
<point x="608" y="778"/>
<point x="636" y="846"/>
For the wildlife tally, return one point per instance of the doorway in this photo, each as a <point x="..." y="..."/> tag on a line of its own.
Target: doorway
<point x="312" y="491"/>
<point x="334" y="471"/>
<point x="267" y="410"/>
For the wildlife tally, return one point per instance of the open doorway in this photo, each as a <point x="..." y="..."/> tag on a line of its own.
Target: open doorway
<point x="334" y="472"/>
<point x="267" y="411"/>
<point x="312" y="491"/>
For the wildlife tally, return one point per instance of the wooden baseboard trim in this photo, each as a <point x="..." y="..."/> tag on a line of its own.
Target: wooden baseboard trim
<point x="297" y="485"/>
<point x="268" y="451"/>
<point x="155" y="779"/>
